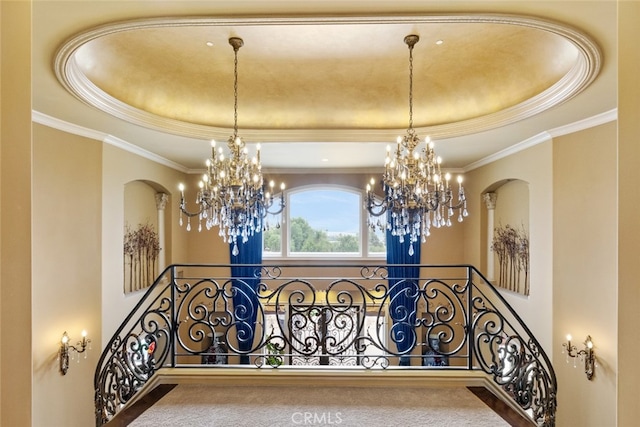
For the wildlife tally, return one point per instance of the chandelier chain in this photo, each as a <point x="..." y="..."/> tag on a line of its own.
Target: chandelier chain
<point x="411" y="86"/>
<point x="235" y="91"/>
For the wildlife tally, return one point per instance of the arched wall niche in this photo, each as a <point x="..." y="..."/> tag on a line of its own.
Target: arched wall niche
<point x="506" y="235"/>
<point x="147" y="234"/>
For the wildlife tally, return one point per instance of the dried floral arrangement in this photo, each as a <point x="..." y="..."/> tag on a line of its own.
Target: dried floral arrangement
<point x="141" y="249"/>
<point x="511" y="247"/>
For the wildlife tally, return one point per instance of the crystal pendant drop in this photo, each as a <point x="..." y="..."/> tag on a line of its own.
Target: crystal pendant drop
<point x="188" y="225"/>
<point x="235" y="250"/>
<point x="180" y="220"/>
<point x="411" y="250"/>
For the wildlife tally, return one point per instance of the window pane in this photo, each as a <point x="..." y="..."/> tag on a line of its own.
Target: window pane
<point x="324" y="221"/>
<point x="377" y="241"/>
<point x="272" y="236"/>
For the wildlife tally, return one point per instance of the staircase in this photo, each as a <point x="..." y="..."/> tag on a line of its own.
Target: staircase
<point x="290" y="326"/>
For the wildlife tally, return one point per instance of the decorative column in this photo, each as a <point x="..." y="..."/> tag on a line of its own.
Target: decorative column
<point x="161" y="203"/>
<point x="490" y="201"/>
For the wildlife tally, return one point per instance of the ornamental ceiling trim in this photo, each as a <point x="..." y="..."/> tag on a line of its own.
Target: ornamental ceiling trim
<point x="74" y="78"/>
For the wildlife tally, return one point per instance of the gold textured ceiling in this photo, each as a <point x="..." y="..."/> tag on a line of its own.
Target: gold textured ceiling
<point x="327" y="79"/>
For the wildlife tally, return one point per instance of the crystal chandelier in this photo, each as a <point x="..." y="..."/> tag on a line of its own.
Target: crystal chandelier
<point x="416" y="195"/>
<point x="232" y="194"/>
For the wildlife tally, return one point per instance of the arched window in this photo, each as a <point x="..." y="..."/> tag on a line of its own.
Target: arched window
<point x="322" y="221"/>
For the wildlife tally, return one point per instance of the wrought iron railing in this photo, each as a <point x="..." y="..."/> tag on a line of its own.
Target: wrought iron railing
<point x="450" y="318"/>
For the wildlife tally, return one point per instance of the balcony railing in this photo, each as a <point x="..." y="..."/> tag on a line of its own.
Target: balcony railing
<point x="338" y="316"/>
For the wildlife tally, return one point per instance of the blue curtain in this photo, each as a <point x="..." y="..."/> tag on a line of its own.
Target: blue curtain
<point x="403" y="293"/>
<point x="245" y="280"/>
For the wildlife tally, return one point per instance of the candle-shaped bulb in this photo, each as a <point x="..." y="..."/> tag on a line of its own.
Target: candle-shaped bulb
<point x="238" y="141"/>
<point x="84" y="333"/>
<point x="589" y="344"/>
<point x="181" y="187"/>
<point x="568" y="337"/>
<point x="282" y="186"/>
<point x="368" y="188"/>
<point x="447" y="176"/>
<point x="459" y="179"/>
<point x="65" y="338"/>
<point x="439" y="160"/>
<point x="258" y="147"/>
<point x="399" y="140"/>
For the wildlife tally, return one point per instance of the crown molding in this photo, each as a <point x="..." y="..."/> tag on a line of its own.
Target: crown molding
<point x="71" y="128"/>
<point x="590" y="122"/>
<point x="597" y="120"/>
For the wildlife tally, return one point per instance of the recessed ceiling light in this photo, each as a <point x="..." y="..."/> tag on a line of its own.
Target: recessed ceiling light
<point x="209" y="44"/>
<point x="325" y="160"/>
<point x="439" y="42"/>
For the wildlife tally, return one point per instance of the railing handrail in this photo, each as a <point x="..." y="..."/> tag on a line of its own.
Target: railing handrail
<point x="495" y="339"/>
<point x="523" y="325"/>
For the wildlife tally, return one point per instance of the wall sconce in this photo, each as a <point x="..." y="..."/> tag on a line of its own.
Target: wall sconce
<point x="65" y="348"/>
<point x="587" y="355"/>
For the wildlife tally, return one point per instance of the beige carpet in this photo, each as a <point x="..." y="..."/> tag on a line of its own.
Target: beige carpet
<point x="206" y="405"/>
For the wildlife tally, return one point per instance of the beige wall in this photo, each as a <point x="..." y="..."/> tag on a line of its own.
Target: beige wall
<point x="533" y="166"/>
<point x="67" y="175"/>
<point x="119" y="168"/>
<point x="584" y="272"/>
<point x="628" y="206"/>
<point x="444" y="246"/>
<point x="15" y="217"/>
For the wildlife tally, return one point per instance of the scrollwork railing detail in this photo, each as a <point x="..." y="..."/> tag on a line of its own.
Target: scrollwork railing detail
<point x="449" y="318"/>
